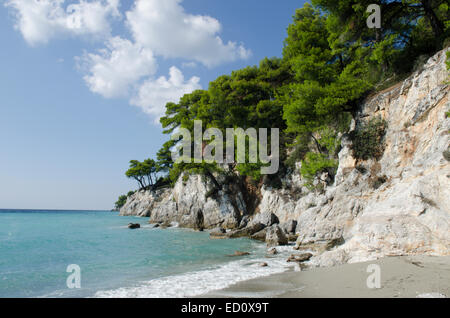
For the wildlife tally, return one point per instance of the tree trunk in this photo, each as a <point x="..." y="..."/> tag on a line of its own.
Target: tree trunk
<point x="436" y="24"/>
<point x="319" y="147"/>
<point x="140" y="183"/>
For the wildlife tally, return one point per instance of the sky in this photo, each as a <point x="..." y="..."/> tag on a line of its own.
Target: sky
<point x="83" y="83"/>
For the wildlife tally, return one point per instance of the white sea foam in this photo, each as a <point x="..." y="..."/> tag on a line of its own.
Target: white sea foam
<point x="201" y="282"/>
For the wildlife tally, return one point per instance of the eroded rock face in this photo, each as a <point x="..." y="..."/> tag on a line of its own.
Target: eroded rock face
<point x="221" y="210"/>
<point x="188" y="205"/>
<point x="141" y="203"/>
<point x="395" y="206"/>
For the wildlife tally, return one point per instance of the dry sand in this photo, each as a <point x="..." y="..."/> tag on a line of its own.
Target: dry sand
<point x="406" y="276"/>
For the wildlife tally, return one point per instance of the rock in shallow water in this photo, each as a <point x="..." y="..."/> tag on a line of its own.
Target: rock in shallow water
<point x="275" y="236"/>
<point x="260" y="236"/>
<point x="246" y="232"/>
<point x="239" y="253"/>
<point x="272" y="251"/>
<point x="134" y="225"/>
<point x="299" y="258"/>
<point x="218" y="233"/>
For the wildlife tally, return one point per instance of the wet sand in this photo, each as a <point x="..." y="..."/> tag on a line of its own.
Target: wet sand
<point x="406" y="276"/>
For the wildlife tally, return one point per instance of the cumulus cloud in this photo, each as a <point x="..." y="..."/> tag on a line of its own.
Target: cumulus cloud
<point x="112" y="71"/>
<point x="153" y="95"/>
<point x="127" y="67"/>
<point x="169" y="31"/>
<point x="40" y="21"/>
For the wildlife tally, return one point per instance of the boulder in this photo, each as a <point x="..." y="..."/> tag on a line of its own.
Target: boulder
<point x="272" y="251"/>
<point x="260" y="236"/>
<point x="218" y="233"/>
<point x="275" y="236"/>
<point x="165" y="225"/>
<point x="218" y="230"/>
<point x="239" y="253"/>
<point x="265" y="218"/>
<point x="299" y="258"/>
<point x="264" y="264"/>
<point x="246" y="232"/>
<point x="134" y="225"/>
<point x="289" y="226"/>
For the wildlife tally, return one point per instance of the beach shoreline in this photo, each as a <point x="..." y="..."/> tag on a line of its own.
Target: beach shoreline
<point x="400" y="277"/>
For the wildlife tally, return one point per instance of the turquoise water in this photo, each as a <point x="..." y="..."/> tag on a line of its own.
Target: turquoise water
<point x="37" y="246"/>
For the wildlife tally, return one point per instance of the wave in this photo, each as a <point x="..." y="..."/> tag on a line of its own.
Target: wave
<point x="201" y="282"/>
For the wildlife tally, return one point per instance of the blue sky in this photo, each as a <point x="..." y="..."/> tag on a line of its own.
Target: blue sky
<point x="82" y="86"/>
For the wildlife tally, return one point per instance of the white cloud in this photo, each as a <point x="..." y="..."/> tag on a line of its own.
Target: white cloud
<point x="188" y="65"/>
<point x="165" y="28"/>
<point x="40" y="21"/>
<point x="127" y="67"/>
<point x="153" y="95"/>
<point x="115" y="69"/>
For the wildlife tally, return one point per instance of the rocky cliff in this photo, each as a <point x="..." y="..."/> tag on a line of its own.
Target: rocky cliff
<point x="190" y="205"/>
<point x="396" y="205"/>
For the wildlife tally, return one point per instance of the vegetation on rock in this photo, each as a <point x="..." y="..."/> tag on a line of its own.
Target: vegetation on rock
<point x="368" y="139"/>
<point x="331" y="61"/>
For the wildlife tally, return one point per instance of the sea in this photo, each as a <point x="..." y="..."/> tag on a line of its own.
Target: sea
<point x="49" y="253"/>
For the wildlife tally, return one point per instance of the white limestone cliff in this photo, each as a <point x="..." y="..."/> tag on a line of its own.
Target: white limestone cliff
<point x="408" y="212"/>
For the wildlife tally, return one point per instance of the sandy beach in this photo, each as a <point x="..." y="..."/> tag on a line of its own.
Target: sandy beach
<point x="406" y="276"/>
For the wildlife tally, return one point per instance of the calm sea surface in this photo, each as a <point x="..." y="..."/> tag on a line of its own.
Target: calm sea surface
<point x="36" y="248"/>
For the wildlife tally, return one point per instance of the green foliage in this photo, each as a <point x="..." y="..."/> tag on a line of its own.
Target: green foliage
<point x="143" y="172"/>
<point x="315" y="163"/>
<point x="121" y="201"/>
<point x="409" y="28"/>
<point x="246" y="98"/>
<point x="327" y="81"/>
<point x="164" y="157"/>
<point x="331" y="61"/>
<point x="329" y="141"/>
<point x="298" y="151"/>
<point x="447" y="61"/>
<point x="368" y="139"/>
